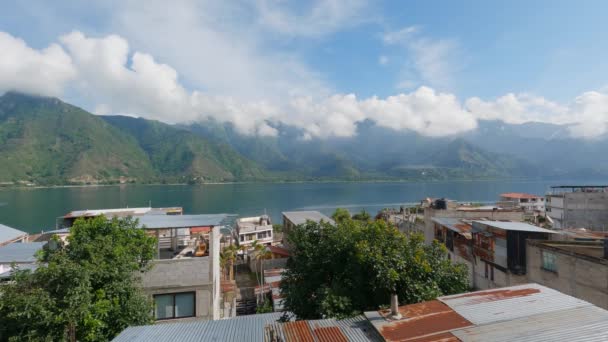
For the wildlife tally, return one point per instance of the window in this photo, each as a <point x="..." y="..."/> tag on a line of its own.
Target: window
<point x="263" y="235"/>
<point x="491" y="273"/>
<point x="174" y="305"/>
<point x="486" y="273"/>
<point x="549" y="263"/>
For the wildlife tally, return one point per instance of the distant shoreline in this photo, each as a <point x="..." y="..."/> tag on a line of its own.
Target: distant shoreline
<point x="370" y="181"/>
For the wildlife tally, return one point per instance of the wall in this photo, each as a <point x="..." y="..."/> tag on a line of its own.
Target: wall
<point x="182" y="275"/>
<point x="470" y="266"/>
<point x="584" y="277"/>
<point x="429" y="213"/>
<point x="501" y="278"/>
<point x="201" y="275"/>
<point x="268" y="263"/>
<point x="580" y="210"/>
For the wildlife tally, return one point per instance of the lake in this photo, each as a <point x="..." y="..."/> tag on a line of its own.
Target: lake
<point x="33" y="210"/>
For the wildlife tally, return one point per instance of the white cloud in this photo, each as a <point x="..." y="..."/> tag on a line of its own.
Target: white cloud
<point x="219" y="47"/>
<point x="118" y="80"/>
<point x="317" y="19"/>
<point x="590" y="111"/>
<point x="430" y="61"/>
<point x="383" y="60"/>
<point x="518" y="108"/>
<point x="586" y="116"/>
<point x="33" y="71"/>
<point x="401" y="36"/>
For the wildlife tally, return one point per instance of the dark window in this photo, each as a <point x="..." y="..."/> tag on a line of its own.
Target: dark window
<point x="491" y="273"/>
<point x="174" y="305"/>
<point x="486" y="274"/>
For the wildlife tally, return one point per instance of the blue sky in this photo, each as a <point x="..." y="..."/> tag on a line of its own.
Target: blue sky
<point x="319" y="65"/>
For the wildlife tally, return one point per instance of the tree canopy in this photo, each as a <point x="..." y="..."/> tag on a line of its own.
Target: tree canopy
<point x="341" y="270"/>
<point x="85" y="290"/>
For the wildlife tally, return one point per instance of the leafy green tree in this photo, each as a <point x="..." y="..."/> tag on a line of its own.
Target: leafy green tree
<point x="86" y="290"/>
<point x="344" y="269"/>
<point x="340" y="215"/>
<point x="362" y="216"/>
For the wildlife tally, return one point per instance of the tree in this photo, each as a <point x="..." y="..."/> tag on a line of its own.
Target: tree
<point x="340" y="215"/>
<point x="342" y="270"/>
<point x="85" y="290"/>
<point x="228" y="258"/>
<point x="362" y="216"/>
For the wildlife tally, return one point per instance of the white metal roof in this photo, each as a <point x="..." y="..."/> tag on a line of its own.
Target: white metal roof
<point x="588" y="323"/>
<point x="8" y="233"/>
<point x="507" y="303"/>
<point x="20" y="252"/>
<point x="182" y="221"/>
<point x="243" y="328"/>
<point x="300" y="217"/>
<point x="516" y="226"/>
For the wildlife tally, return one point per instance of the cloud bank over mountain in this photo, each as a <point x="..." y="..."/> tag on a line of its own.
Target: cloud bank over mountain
<point x="197" y="60"/>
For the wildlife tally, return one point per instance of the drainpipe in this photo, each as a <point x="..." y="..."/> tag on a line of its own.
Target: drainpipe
<point x="395" y="307"/>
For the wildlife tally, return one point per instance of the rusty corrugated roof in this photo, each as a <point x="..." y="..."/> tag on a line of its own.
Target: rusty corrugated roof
<point x="519" y="195"/>
<point x="329" y="334"/>
<point x="426" y="321"/>
<point x="297" y="331"/>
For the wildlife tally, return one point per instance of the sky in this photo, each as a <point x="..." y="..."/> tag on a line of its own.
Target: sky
<point x="433" y="67"/>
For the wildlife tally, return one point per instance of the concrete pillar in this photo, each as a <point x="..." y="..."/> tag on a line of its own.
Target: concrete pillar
<point x="395" y="307"/>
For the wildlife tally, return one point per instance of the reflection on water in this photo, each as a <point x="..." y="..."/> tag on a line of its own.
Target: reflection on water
<point x="36" y="209"/>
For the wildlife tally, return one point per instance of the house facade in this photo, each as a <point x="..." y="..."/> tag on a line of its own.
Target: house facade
<point x="578" y="207"/>
<point x="250" y="229"/>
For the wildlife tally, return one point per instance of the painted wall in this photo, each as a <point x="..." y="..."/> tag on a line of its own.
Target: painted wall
<point x="579" y="277"/>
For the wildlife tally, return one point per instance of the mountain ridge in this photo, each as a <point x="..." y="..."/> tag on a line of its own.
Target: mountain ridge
<point x="47" y="141"/>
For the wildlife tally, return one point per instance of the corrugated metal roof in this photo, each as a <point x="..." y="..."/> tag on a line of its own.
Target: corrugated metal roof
<point x="356" y="329"/>
<point x="182" y="221"/>
<point x="429" y="320"/>
<point x="243" y="328"/>
<point x="8" y="233"/>
<point x="529" y="312"/>
<point x="8" y="274"/>
<point x="516" y="226"/>
<point x="587" y="323"/>
<point x="519" y="195"/>
<point x="455" y="224"/>
<point x="483" y="307"/>
<point x="300" y="217"/>
<point x="123" y="212"/>
<point x="20" y="252"/>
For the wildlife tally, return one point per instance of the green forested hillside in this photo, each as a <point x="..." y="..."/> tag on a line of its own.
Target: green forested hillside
<point x="180" y="153"/>
<point x="46" y="141"/>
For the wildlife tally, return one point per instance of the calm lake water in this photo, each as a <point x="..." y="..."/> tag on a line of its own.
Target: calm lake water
<point x="33" y="210"/>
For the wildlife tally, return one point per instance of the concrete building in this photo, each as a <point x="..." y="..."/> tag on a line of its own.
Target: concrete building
<point x="576" y="268"/>
<point x="494" y="251"/>
<point x="10" y="235"/>
<point x="184" y="281"/>
<point x="450" y="209"/>
<point x="529" y="203"/>
<point x="250" y="229"/>
<point x="572" y="206"/>
<point x="500" y="252"/>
